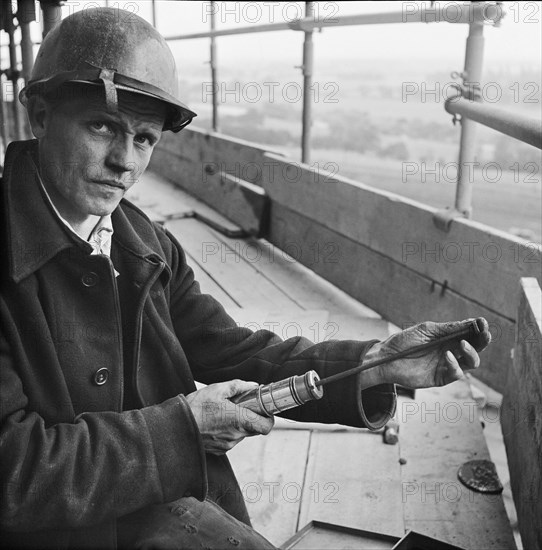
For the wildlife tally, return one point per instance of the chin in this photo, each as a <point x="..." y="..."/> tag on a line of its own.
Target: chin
<point x="103" y="209"/>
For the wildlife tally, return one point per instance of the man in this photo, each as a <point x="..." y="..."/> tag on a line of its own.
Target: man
<point x="105" y="441"/>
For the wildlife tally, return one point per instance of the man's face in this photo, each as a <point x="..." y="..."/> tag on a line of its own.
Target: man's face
<point x="90" y="157"/>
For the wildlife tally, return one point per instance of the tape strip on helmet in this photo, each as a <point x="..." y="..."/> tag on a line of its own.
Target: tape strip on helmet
<point x="111" y="99"/>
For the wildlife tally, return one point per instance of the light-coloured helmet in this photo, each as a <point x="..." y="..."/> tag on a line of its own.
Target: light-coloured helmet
<point x="114" y="48"/>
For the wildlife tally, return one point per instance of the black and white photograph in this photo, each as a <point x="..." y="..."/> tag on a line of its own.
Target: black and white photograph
<point x="271" y="275"/>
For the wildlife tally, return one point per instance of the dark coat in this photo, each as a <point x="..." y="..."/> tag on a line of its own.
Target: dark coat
<point x="93" y="370"/>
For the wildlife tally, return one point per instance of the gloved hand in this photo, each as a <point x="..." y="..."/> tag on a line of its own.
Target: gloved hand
<point x="435" y="367"/>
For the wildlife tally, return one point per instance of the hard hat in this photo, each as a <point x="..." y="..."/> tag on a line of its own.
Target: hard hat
<point x="114" y="48"/>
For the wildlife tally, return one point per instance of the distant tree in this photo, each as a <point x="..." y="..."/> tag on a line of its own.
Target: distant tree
<point x="252" y="115"/>
<point x="352" y="131"/>
<point x="397" y="150"/>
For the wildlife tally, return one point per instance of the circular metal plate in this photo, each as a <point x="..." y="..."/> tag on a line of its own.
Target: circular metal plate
<point x="481" y="476"/>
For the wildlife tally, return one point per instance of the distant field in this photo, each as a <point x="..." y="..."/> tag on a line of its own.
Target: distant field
<point x="417" y="122"/>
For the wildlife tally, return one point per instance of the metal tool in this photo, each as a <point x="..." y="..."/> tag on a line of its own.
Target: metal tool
<point x="270" y="399"/>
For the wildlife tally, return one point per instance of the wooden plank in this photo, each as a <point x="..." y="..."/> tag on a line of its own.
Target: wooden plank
<point x="159" y="199"/>
<point x="285" y="323"/>
<point x="270" y="471"/>
<point x="302" y="283"/>
<point x="238" y="157"/>
<point x="478" y="262"/>
<point x="352" y="327"/>
<point x="244" y="203"/>
<point x="235" y="273"/>
<point x="225" y="173"/>
<point x="522" y="416"/>
<point x="439" y="432"/>
<point x="208" y="285"/>
<point x="348" y="318"/>
<point x="398" y="293"/>
<point x="353" y="480"/>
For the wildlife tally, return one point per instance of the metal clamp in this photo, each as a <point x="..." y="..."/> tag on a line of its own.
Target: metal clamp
<point x="443" y="218"/>
<point x="465" y="88"/>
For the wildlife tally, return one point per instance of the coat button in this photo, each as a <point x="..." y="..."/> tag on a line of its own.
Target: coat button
<point x="101" y="376"/>
<point x="89" y="279"/>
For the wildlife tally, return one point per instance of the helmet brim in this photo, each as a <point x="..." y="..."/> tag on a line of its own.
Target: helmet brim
<point x="178" y="115"/>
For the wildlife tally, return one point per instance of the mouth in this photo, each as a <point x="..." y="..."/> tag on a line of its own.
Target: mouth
<point x="111" y="183"/>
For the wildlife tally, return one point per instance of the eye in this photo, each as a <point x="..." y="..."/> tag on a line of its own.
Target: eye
<point x="147" y="140"/>
<point x="142" y="139"/>
<point x="100" y="127"/>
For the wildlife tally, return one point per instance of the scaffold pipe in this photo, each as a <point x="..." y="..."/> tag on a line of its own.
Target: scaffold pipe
<point x="526" y="129"/>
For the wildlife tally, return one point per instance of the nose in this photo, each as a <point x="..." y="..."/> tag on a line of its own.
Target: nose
<point x="120" y="157"/>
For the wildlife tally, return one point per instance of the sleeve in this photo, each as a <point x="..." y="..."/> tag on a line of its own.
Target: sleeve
<point x="219" y="350"/>
<point x="100" y="466"/>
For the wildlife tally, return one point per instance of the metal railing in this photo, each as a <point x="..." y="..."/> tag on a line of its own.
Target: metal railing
<point x="463" y="13"/>
<point x="476" y="15"/>
<point x="515" y="125"/>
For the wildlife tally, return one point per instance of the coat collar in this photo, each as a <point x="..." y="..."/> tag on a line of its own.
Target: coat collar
<point x="35" y="234"/>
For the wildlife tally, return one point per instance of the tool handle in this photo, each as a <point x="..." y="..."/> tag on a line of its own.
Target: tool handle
<point x="270" y="399"/>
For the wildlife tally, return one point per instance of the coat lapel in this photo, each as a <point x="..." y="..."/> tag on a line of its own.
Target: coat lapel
<point x="34" y="235"/>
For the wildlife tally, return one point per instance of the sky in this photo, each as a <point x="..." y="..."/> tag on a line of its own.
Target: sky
<point x="517" y="41"/>
<point x="518" y="38"/>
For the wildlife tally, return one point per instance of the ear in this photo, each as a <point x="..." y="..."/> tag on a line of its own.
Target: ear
<point x="38" y="115"/>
